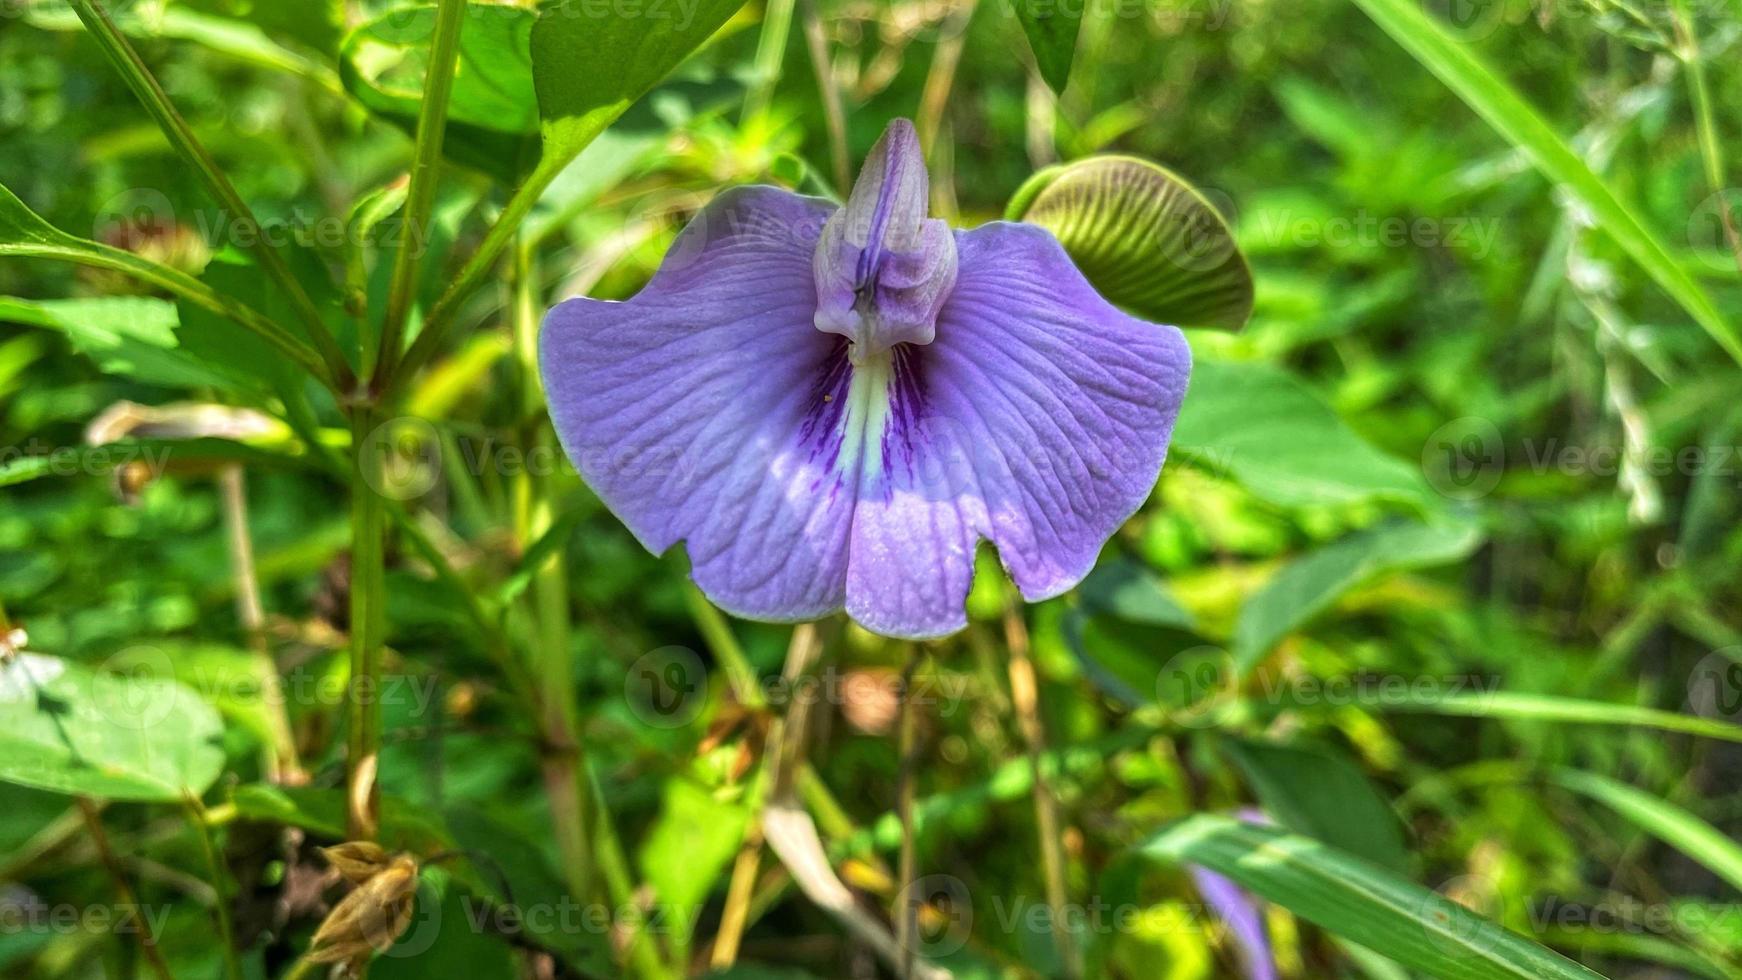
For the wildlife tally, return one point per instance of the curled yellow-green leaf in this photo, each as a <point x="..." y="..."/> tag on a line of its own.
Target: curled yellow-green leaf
<point x="1144" y="237"/>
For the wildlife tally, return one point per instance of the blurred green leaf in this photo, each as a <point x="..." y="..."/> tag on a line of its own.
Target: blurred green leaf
<point x="1052" y="30"/>
<point x="1144" y="238"/>
<point x="1548" y="707"/>
<point x="1271" y="433"/>
<point x="232" y="680"/>
<point x="67" y="728"/>
<point x="322" y="812"/>
<point x="1315" y="791"/>
<point x="1123" y="589"/>
<point x="448" y="936"/>
<point x="1310" y="584"/>
<point x="236" y="38"/>
<point x="1494" y="100"/>
<point x="131" y="336"/>
<point x="590" y="64"/>
<point x="1662" y="819"/>
<point x="687" y="848"/>
<point x="1359" y="901"/>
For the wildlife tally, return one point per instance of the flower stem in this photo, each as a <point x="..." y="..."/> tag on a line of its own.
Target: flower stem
<point x="501" y="235"/>
<point x="907" y="916"/>
<point x="220" y="887"/>
<point x="1025" y="696"/>
<point x="770" y="52"/>
<point x="132" y="68"/>
<point x="432" y="120"/>
<point x="283" y="766"/>
<point x="368" y="628"/>
<point x="1699" y="93"/>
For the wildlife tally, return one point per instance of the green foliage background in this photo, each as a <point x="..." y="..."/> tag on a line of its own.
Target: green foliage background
<point x="1443" y="570"/>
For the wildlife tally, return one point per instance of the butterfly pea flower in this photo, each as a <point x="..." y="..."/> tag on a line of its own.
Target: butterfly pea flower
<point x="832" y="406"/>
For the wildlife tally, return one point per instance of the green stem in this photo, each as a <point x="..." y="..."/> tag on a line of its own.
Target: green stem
<point x="721" y="641"/>
<point x="770" y="52"/>
<point x="1699" y="93"/>
<point x="432" y="120"/>
<point x="123" y="891"/>
<point x="907" y="915"/>
<point x="220" y="888"/>
<point x="496" y="241"/>
<point x="1025" y="696"/>
<point x="619" y="885"/>
<point x="181" y="136"/>
<point x="368" y="627"/>
<point x="558" y="710"/>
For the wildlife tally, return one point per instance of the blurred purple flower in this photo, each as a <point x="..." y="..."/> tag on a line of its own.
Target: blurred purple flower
<point x="1241" y="911"/>
<point x="832" y="406"/>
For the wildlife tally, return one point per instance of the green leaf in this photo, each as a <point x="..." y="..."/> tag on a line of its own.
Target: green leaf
<point x="23" y="233"/>
<point x="1127" y="625"/>
<point x="1144" y="237"/>
<point x="1480" y="88"/>
<point x="590" y="64"/>
<point x="1272" y="434"/>
<point x="444" y="937"/>
<point x="322" y="812"/>
<point x="70" y="729"/>
<point x="238" y="39"/>
<point x="1661" y="819"/>
<point x="1314" y="791"/>
<point x="1311" y="583"/>
<point x="1124" y="589"/>
<point x="233" y="681"/>
<point x="1052" y="35"/>
<point x="492" y="122"/>
<point x="1359" y="901"/>
<point x="1548" y="707"/>
<point x="131" y="336"/>
<point x="688" y="847"/>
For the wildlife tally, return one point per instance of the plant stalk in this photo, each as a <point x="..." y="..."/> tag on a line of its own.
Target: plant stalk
<point x="907" y="896"/>
<point x="1025" y="696"/>
<point x="368" y="628"/>
<point x="432" y="120"/>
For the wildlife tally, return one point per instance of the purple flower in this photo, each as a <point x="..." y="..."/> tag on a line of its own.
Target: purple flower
<point x="832" y="406"/>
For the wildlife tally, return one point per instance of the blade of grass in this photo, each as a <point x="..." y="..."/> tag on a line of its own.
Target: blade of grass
<point x="1501" y="106"/>
<point x="1661" y="819"/>
<point x="1359" y="901"/>
<point x="132" y="68"/>
<point x="1544" y="707"/>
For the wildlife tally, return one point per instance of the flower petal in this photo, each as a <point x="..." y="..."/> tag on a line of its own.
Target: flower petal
<point x="689" y="409"/>
<point x="1038" y="418"/>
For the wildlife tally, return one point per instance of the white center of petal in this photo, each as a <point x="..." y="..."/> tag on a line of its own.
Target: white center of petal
<point x="866" y="417"/>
